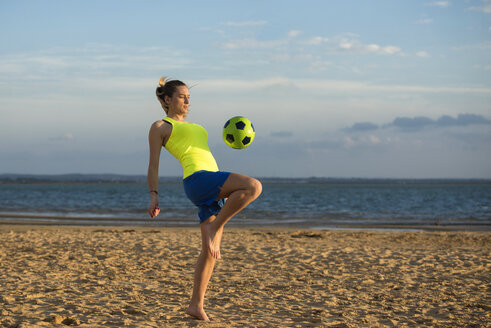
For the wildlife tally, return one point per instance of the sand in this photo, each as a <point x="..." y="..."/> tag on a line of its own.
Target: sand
<point x="142" y="277"/>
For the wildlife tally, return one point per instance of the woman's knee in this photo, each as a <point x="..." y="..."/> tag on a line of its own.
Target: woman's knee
<point x="248" y="186"/>
<point x="255" y="187"/>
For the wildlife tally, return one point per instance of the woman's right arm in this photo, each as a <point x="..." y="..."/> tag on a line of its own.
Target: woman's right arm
<point x="155" y="139"/>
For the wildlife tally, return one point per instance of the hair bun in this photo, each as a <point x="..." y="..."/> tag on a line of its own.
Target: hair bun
<point x="162" y="81"/>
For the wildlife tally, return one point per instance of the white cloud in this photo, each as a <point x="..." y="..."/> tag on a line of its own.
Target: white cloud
<point x="485" y="8"/>
<point x="422" y="54"/>
<point x="348" y="142"/>
<point x="388" y="50"/>
<point x="441" y="4"/>
<point x="350" y="86"/>
<point x="351" y="43"/>
<point x="294" y="33"/>
<point x="355" y="46"/>
<point x="228" y="84"/>
<point x="245" y="23"/>
<point x="314" y="41"/>
<point x="337" y="86"/>
<point x="424" y="21"/>
<point x="107" y="67"/>
<point x="345" y="43"/>
<point x="91" y="60"/>
<point x="252" y="44"/>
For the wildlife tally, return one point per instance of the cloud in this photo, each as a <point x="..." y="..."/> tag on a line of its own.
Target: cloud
<point x="462" y="120"/>
<point x="348" y="142"/>
<point x="353" y="86"/>
<point x="416" y="123"/>
<point x="346" y="43"/>
<point x="440" y="4"/>
<point x="420" y="122"/>
<point x="315" y="41"/>
<point x="356" y="47"/>
<point x="362" y="126"/>
<point x="91" y="60"/>
<point x="411" y="123"/>
<point x="322" y="86"/>
<point x="294" y="33"/>
<point x="241" y="85"/>
<point x="485" y="8"/>
<point x="424" y="21"/>
<point x="252" y="44"/>
<point x="245" y="23"/>
<point x="422" y="54"/>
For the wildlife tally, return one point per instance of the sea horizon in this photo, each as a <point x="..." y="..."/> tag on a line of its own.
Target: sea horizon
<point x="141" y="178"/>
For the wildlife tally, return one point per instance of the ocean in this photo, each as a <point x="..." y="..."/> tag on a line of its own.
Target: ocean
<point x="317" y="203"/>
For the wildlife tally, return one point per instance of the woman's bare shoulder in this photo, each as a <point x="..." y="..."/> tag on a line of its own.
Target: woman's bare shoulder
<point x="161" y="127"/>
<point x="158" y="123"/>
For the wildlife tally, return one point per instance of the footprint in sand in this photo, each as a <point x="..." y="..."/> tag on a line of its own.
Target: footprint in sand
<point x="58" y="319"/>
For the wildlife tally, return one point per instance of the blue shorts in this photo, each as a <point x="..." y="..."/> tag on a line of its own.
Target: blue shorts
<point x="203" y="188"/>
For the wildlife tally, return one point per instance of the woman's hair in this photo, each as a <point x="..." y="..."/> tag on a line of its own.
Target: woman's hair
<point x="167" y="88"/>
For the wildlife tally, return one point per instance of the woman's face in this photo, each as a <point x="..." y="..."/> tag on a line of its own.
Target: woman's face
<point x="179" y="102"/>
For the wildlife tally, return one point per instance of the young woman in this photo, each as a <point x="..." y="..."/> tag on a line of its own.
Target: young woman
<point x="218" y="195"/>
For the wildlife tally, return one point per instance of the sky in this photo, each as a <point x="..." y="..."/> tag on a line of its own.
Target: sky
<point x="351" y="88"/>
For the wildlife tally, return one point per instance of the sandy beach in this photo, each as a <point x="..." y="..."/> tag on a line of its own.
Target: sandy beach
<point x="142" y="277"/>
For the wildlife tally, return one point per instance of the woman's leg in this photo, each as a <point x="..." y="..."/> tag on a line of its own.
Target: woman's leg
<point x="202" y="275"/>
<point x="240" y="191"/>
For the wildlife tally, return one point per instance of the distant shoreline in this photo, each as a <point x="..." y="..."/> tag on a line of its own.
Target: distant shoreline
<point x="8" y="178"/>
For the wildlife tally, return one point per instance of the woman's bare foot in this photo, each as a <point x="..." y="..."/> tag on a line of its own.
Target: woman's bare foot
<point x="197" y="313"/>
<point x="212" y="239"/>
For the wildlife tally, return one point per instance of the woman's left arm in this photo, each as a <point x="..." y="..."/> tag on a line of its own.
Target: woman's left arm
<point x="155" y="145"/>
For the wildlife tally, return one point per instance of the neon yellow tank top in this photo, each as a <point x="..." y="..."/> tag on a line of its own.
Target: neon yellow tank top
<point x="188" y="142"/>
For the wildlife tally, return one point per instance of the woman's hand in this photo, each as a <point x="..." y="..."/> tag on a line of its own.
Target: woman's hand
<point x="153" y="208"/>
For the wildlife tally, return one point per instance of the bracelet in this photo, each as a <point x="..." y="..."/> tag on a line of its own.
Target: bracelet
<point x="155" y="191"/>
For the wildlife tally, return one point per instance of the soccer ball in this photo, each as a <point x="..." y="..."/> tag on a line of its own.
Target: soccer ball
<point x="238" y="132"/>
